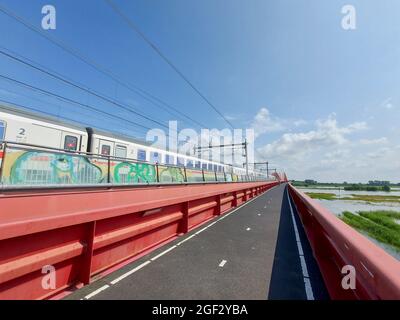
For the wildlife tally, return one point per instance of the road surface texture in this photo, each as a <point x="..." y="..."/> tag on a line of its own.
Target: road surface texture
<point x="250" y="253"/>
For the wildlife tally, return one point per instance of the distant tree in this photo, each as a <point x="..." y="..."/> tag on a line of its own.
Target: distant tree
<point x="386" y="188"/>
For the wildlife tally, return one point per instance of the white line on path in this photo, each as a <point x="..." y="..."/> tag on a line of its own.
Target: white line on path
<point x="222" y="263"/>
<point x="162" y="253"/>
<point x="90" y="295"/>
<point x="123" y="276"/>
<point x="306" y="277"/>
<point x="130" y="272"/>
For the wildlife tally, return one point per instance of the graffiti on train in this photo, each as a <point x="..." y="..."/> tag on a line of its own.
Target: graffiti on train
<point x="36" y="167"/>
<point x="44" y="168"/>
<point x="126" y="172"/>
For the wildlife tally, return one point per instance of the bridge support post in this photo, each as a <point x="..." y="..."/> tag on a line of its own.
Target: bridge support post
<point x="235" y="202"/>
<point x="218" y="208"/>
<point x="184" y="228"/>
<point x="85" y="272"/>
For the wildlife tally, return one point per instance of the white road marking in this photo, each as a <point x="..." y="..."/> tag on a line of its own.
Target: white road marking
<point x="306" y="276"/>
<point x="90" y="295"/>
<point x="127" y="274"/>
<point x="188" y="238"/>
<point x="222" y="263"/>
<point x="123" y="276"/>
<point x="162" y="253"/>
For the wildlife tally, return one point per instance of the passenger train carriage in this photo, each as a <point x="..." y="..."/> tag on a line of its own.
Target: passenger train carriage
<point x="132" y="160"/>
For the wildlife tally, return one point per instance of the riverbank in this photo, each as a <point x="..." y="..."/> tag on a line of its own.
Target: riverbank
<point x="381" y="225"/>
<point x="368" y="198"/>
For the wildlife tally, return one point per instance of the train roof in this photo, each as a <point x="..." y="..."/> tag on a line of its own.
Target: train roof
<point x="40" y="117"/>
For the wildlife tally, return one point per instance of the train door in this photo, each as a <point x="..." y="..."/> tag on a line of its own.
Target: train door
<point x="106" y="148"/>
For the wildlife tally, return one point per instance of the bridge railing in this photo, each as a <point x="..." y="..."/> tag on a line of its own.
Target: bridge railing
<point x="340" y="250"/>
<point x="27" y="165"/>
<point x="50" y="241"/>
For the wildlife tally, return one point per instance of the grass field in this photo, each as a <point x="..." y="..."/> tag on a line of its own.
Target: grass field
<point x="380" y="225"/>
<point x="355" y="197"/>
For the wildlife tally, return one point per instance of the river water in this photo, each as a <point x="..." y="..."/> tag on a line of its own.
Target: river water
<point x="338" y="206"/>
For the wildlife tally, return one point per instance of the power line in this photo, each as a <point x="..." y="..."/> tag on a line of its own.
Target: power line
<point x="144" y="94"/>
<point x="92" y="116"/>
<point x="169" y="62"/>
<point x="87" y="89"/>
<point x="70" y="100"/>
<point x="11" y="103"/>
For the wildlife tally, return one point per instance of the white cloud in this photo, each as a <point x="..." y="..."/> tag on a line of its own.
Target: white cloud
<point x="264" y="122"/>
<point x="326" y="134"/>
<point x="387" y="104"/>
<point x="382" y="140"/>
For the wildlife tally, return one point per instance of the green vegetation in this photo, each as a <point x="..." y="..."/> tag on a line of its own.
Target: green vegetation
<point x="355" y="197"/>
<point x="372" y="198"/>
<point x="360" y="187"/>
<point x="370" y="186"/>
<point x="380" y="225"/>
<point x="324" y="196"/>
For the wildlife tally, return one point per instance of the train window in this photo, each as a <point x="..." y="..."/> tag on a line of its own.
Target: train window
<point x="180" y="162"/>
<point x="155" y="157"/>
<point x="169" y="159"/>
<point x="189" y="164"/>
<point x="120" y="151"/>
<point x="197" y="164"/>
<point x="2" y="130"/>
<point x="70" y="143"/>
<point x="204" y="166"/>
<point x="105" y="150"/>
<point x="141" y="155"/>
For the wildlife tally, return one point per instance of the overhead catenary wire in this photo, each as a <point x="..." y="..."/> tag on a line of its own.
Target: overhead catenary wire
<point x="87" y="89"/>
<point x="133" y="88"/>
<point x="134" y="27"/>
<point x="23" y="106"/>
<point x="27" y="85"/>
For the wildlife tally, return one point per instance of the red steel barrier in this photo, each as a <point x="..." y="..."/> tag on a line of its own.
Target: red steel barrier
<point x="83" y="233"/>
<point x="335" y="245"/>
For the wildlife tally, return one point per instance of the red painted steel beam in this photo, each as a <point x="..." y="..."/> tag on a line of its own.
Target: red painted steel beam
<point x="335" y="245"/>
<point x="83" y="233"/>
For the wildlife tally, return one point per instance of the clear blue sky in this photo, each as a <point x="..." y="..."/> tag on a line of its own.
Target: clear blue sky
<point x="319" y="97"/>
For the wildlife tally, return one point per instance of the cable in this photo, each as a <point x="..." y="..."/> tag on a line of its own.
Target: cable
<point x="92" y="116"/>
<point x="87" y="90"/>
<point x="144" y="94"/>
<point x="70" y="100"/>
<point x="11" y="103"/>
<point x="169" y="62"/>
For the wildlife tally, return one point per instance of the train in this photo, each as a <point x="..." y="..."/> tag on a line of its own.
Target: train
<point x="23" y="127"/>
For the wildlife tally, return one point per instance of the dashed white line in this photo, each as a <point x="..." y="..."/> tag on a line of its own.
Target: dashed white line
<point x="222" y="263"/>
<point x="127" y="274"/>
<point x="90" y="295"/>
<point x="306" y="276"/>
<point x="162" y="253"/>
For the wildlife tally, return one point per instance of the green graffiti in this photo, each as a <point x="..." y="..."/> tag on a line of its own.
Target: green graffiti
<point x="50" y="168"/>
<point x="171" y="174"/>
<point x="126" y="172"/>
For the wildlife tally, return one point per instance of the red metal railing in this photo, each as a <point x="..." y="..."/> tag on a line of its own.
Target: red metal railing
<point x="335" y="245"/>
<point x="82" y="233"/>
